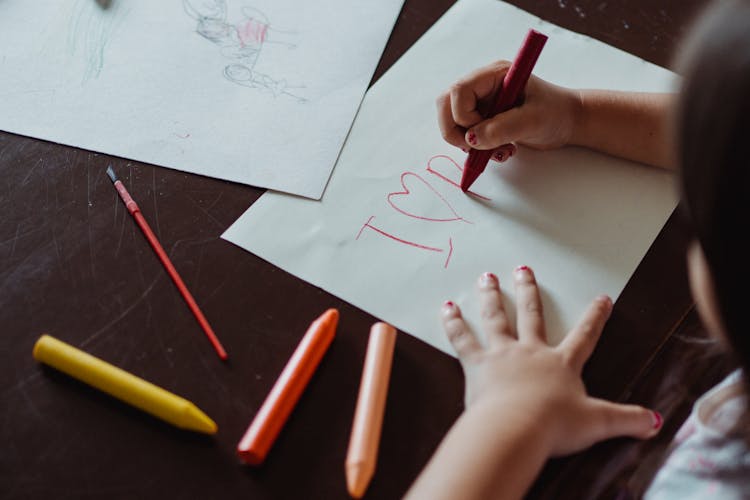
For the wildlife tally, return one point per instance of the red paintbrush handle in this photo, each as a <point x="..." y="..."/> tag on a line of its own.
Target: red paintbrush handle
<point x="151" y="237"/>
<point x="132" y="207"/>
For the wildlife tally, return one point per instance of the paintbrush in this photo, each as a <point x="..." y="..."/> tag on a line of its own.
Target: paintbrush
<point x="151" y="237"/>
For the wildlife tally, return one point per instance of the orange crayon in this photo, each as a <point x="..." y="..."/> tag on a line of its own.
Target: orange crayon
<point x="272" y="416"/>
<point x="368" y="418"/>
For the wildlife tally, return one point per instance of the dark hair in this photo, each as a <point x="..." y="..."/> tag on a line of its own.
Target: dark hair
<point x="713" y="141"/>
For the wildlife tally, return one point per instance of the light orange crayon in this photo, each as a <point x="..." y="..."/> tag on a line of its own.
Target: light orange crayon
<point x="272" y="416"/>
<point x="368" y="418"/>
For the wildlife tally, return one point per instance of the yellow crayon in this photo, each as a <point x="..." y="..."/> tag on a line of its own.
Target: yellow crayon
<point x="122" y="385"/>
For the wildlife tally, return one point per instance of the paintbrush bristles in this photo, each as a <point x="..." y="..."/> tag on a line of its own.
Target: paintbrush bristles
<point x="111" y="174"/>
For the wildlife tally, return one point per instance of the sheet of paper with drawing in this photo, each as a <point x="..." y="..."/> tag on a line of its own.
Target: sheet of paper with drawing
<point x="261" y="92"/>
<point x="395" y="236"/>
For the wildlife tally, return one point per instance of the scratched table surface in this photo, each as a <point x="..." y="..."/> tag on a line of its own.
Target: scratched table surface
<point x="74" y="264"/>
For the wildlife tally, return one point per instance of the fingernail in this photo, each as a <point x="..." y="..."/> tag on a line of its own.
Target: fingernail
<point x="448" y="309"/>
<point x="521" y="269"/>
<point x="605" y="299"/>
<point x="498" y="157"/>
<point x="472" y="138"/>
<point x="487" y="279"/>
<point x="657" y="419"/>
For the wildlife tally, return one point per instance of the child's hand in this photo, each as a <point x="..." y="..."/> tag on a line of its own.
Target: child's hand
<point x="545" y="120"/>
<point x="518" y="376"/>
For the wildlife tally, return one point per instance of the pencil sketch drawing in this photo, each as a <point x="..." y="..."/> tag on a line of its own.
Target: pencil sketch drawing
<point x="90" y="29"/>
<point x="242" y="32"/>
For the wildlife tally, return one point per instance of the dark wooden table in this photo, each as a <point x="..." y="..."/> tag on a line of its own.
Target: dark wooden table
<point x="73" y="264"/>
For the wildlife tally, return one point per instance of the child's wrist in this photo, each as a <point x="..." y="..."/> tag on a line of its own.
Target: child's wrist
<point x="522" y="418"/>
<point x="578" y="118"/>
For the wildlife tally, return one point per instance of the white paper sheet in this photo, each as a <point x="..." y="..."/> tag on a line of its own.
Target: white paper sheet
<point x="395" y="236"/>
<point x="261" y="92"/>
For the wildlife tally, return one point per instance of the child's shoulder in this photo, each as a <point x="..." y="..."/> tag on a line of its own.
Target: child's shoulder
<point x="708" y="458"/>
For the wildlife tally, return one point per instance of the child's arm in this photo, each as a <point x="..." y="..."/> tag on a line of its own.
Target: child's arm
<point x="525" y="401"/>
<point x="631" y="125"/>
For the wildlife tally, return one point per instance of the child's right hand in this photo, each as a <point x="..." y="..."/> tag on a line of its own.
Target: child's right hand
<point x="545" y="120"/>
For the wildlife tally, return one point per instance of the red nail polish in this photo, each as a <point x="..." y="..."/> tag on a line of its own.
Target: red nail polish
<point x="488" y="280"/>
<point x="448" y="303"/>
<point x="472" y="138"/>
<point x="658" y="420"/>
<point x="522" y="268"/>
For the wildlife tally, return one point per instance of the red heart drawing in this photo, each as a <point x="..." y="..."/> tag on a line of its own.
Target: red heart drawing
<point x="446" y="170"/>
<point x="411" y="202"/>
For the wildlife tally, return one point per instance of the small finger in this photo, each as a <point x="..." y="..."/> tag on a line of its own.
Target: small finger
<point x="451" y="132"/>
<point x="459" y="334"/>
<point x="504" y="153"/>
<point x="529" y="306"/>
<point x="494" y="319"/>
<point x="581" y="341"/>
<point x="475" y="91"/>
<point x="506" y="127"/>
<point x="464" y="102"/>
<point x="616" y="420"/>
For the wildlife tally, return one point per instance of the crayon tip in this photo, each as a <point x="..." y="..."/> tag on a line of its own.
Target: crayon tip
<point x="328" y="321"/>
<point x="196" y="420"/>
<point x="468" y="178"/>
<point x="357" y="479"/>
<point x="330" y="318"/>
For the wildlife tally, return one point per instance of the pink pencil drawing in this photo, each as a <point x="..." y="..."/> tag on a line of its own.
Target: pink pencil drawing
<point x="242" y="32"/>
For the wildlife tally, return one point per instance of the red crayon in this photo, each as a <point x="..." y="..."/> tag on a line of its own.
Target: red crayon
<point x="135" y="211"/>
<point x="508" y="96"/>
<point x="260" y="436"/>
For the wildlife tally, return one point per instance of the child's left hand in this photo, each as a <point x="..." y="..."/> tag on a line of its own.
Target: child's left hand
<point x="525" y="400"/>
<point x="517" y="374"/>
